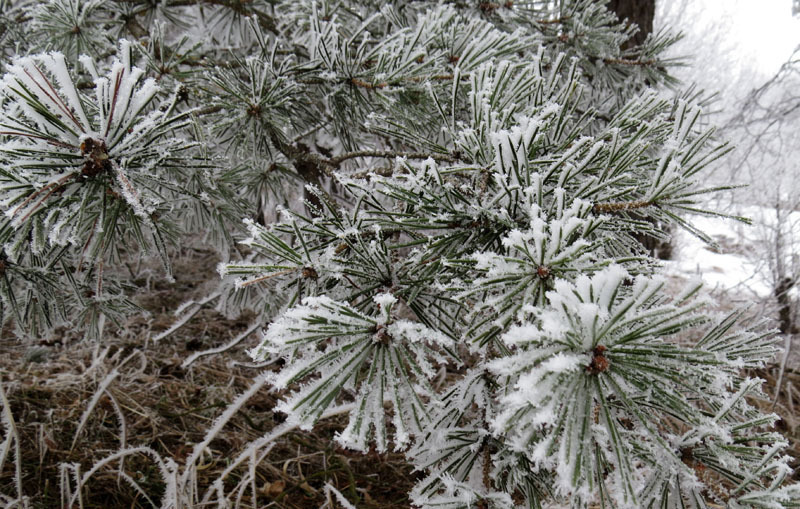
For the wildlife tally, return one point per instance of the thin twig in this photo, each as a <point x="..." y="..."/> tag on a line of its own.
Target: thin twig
<point x="337" y="160"/>
<point x="227" y="346"/>
<point x="625" y="61"/>
<point x="268" y="276"/>
<point x="622" y="206"/>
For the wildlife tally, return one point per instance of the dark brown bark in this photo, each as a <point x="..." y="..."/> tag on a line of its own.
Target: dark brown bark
<point x="785" y="318"/>
<point x="641" y="13"/>
<point x="638" y="12"/>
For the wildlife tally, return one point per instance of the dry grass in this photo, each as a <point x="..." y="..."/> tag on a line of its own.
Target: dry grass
<point x="53" y="383"/>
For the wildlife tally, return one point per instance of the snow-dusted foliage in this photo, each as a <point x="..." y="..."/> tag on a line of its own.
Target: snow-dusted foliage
<point x="69" y="149"/>
<point x="463" y="275"/>
<point x="583" y="400"/>
<point x="503" y="227"/>
<point x="74" y="27"/>
<point x="379" y="358"/>
<point x="84" y="173"/>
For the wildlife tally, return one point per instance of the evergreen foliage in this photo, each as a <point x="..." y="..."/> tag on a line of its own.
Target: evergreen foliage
<point x="440" y="201"/>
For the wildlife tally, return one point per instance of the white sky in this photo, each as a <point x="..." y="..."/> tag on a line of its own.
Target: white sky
<point x="765" y="28"/>
<point x="732" y="46"/>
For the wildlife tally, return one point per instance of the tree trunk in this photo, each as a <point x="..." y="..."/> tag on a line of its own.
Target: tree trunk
<point x="638" y="12"/>
<point x="641" y="13"/>
<point x="785" y="319"/>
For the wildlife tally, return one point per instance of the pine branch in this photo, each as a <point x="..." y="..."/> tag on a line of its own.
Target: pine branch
<point x="411" y="79"/>
<point x="237" y="6"/>
<point x="311" y="166"/>
<point x="623" y="206"/>
<point x="625" y="61"/>
<point x="338" y="160"/>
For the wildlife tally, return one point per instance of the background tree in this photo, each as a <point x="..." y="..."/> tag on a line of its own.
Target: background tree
<point x="639" y="13"/>
<point x="757" y="109"/>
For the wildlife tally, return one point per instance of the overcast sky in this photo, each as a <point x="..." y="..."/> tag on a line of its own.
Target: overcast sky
<point x="732" y="45"/>
<point x="765" y="27"/>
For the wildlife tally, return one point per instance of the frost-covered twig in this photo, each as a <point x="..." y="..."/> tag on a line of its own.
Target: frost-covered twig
<point x="11" y="441"/>
<point x="185" y="312"/>
<point x="223" y="348"/>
